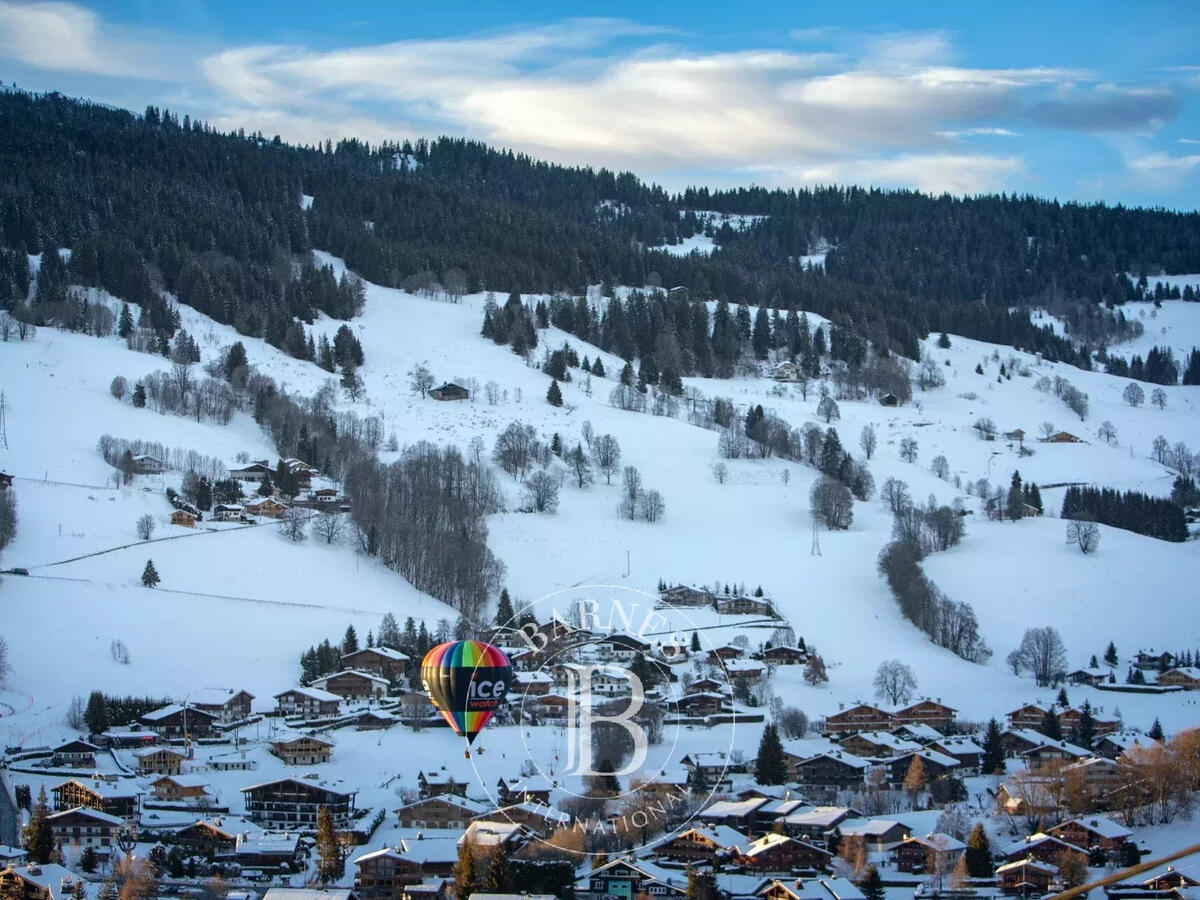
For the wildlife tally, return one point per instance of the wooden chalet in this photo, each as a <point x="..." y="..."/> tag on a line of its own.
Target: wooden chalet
<point x="145" y="464"/>
<point x="968" y="753"/>
<point x="450" y="391"/>
<point x="624" y="878"/>
<point x="685" y="595"/>
<point x="175" y="721"/>
<point x="537" y="817"/>
<point x="931" y="853"/>
<point x="831" y="772"/>
<point x="82" y="827"/>
<point x="1069" y="718"/>
<point x="37" y="882"/>
<point x="290" y="804"/>
<point x="860" y="717"/>
<point x="533" y="789"/>
<point x="384" y="874"/>
<point x="1026" y="877"/>
<point x="711" y="767"/>
<point x="1186" y="677"/>
<point x="877" y="744"/>
<point x="936" y="765"/>
<point x="184" y="518"/>
<point x="228" y="705"/>
<point x="779" y="853"/>
<point x="717" y="655"/>
<point x="785" y="656"/>
<point x="701" y="844"/>
<point x="353" y="686"/>
<point x="929" y="712"/>
<point x="1149" y="661"/>
<point x="256" y="471"/>
<point x="117" y="801"/>
<point x="1044" y="848"/>
<point x="876" y="835"/>
<point x="701" y="704"/>
<point x="622" y="645"/>
<point x="179" y="788"/>
<point x="75" y="754"/>
<point x="440" y="811"/>
<point x="266" y="850"/>
<point x="267" y="507"/>
<point x="311" y="703"/>
<point x="1062" y="437"/>
<point x="227" y="512"/>
<point x="302" y="750"/>
<point x="1093" y="832"/>
<point x="815" y="824"/>
<point x="159" y="761"/>
<point x="382" y="661"/>
<point x="739" y="605"/>
<point x="374" y="720"/>
<point x="1028" y="716"/>
<point x="786" y="371"/>
<point x="436" y="783"/>
<point x="1090" y="676"/>
<point x="206" y="838"/>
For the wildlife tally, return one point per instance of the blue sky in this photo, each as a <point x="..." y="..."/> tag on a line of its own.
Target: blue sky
<point x="1079" y="101"/>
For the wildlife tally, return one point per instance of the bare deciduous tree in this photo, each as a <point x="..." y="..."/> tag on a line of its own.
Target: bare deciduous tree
<point x="652" y="506"/>
<point x="894" y="494"/>
<point x="119" y="387"/>
<point x="420" y="380"/>
<point x="868" y="441"/>
<point x="894" y="682"/>
<point x="145" y="526"/>
<point x="720" y="472"/>
<point x="1133" y="394"/>
<point x="329" y="526"/>
<point x="631" y="488"/>
<point x="908" y="449"/>
<point x="832" y="503"/>
<point x="293" y="524"/>
<point x="1086" y="535"/>
<point x="1042" y="654"/>
<point x="541" y="492"/>
<point x="608" y="456"/>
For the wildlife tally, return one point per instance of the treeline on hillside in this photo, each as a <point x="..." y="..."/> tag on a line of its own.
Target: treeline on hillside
<point x="1130" y="510"/>
<point x="423" y="515"/>
<point x="105" y="711"/>
<point x="155" y="203"/>
<point x="916" y="532"/>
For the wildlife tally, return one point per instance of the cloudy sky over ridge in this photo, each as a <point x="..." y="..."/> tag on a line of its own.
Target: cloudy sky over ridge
<point x="1078" y="101"/>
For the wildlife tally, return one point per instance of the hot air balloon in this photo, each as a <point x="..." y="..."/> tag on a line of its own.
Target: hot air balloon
<point x="467" y="681"/>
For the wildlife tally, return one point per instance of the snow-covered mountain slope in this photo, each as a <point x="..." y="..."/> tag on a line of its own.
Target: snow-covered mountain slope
<point x="754" y="529"/>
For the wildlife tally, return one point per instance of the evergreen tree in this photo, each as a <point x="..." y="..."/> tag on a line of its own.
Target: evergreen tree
<point x="389" y="632"/>
<point x="1156" y="731"/>
<point x="464" y="872"/>
<point x="497" y="877"/>
<point x="1084" y="732"/>
<point x="1050" y="726"/>
<point x="761" y="340"/>
<point x="993" y="750"/>
<point x="770" y="766"/>
<point x="1110" y="654"/>
<point x="329" y="854"/>
<point x="872" y="884"/>
<point x="505" y="617"/>
<point x="39" y="838"/>
<point x="139" y="395"/>
<point x="88" y="860"/>
<point x="701" y="885"/>
<point x="267" y="487"/>
<point x="944" y="341"/>
<point x="350" y="641"/>
<point x="125" y="323"/>
<point x="979" y="853"/>
<point x="150" y="575"/>
<point x="1063" y="700"/>
<point x="554" y="395"/>
<point x="695" y="646"/>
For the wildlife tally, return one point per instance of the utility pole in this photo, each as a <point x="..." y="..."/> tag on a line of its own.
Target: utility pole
<point x="816" y="539"/>
<point x="3" y="422"/>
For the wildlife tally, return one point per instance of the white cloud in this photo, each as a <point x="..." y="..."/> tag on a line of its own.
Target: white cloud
<point x="885" y="108"/>
<point x="934" y="173"/>
<point x="1162" y="164"/>
<point x="64" y="37"/>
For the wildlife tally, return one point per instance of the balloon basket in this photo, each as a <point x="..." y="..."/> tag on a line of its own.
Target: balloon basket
<point x="466" y="754"/>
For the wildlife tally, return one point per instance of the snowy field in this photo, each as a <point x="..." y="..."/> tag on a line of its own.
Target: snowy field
<point x="237" y="606"/>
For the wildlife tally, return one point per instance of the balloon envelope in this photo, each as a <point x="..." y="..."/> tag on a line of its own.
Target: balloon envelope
<point x="467" y="681"/>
